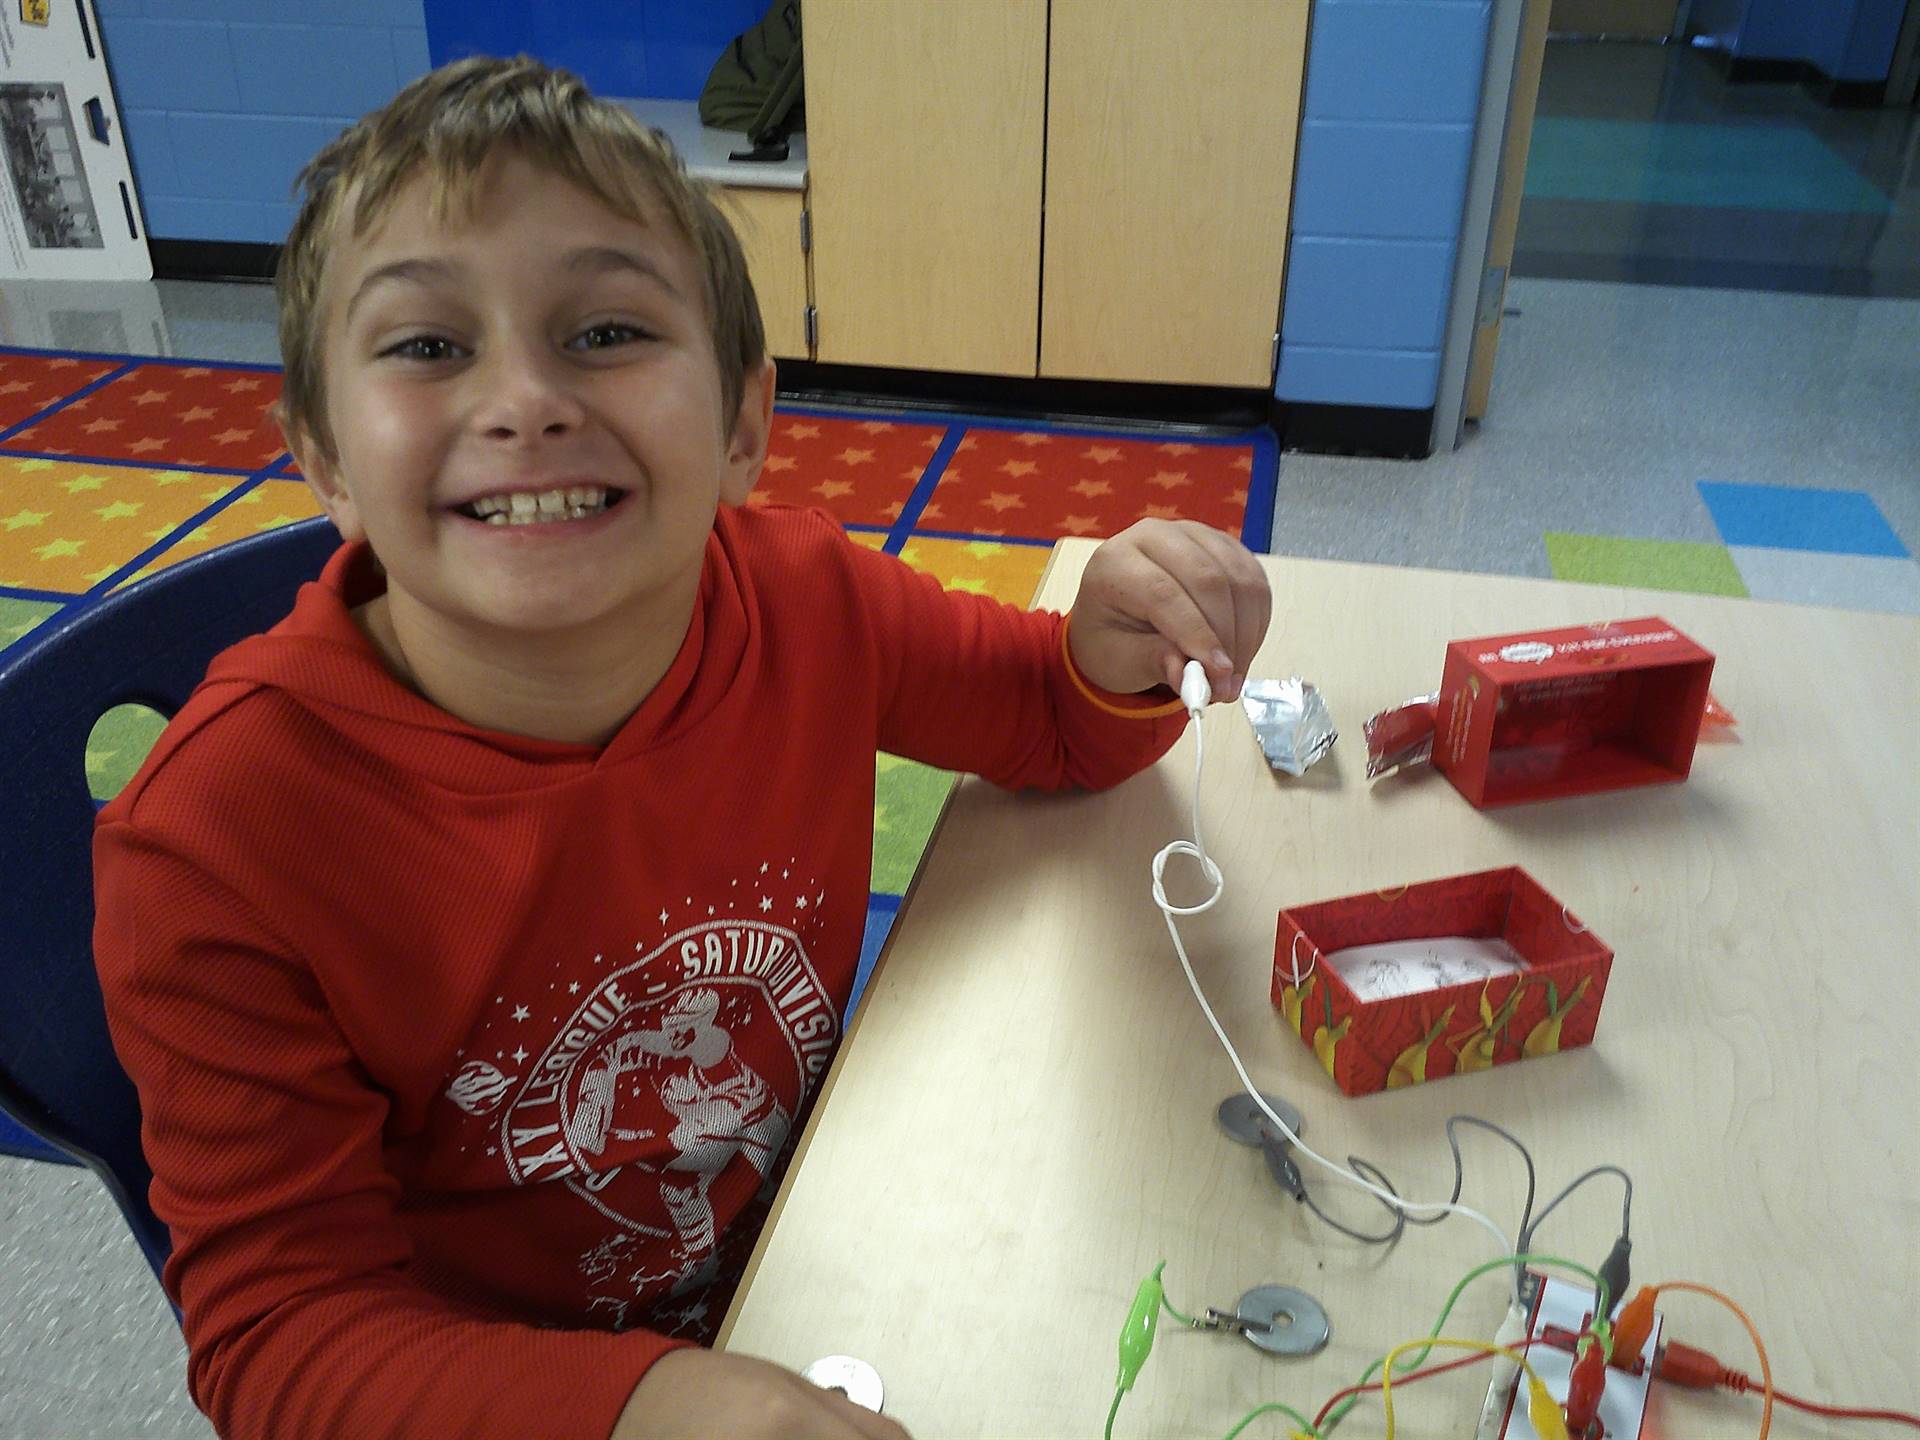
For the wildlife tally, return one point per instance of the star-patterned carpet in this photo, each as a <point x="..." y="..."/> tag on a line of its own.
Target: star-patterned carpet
<point x="114" y="467"/>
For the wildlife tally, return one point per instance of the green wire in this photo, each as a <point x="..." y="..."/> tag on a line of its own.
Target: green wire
<point x="1305" y="1425"/>
<point x="1187" y="1320"/>
<point x="1340" y="1412"/>
<point x="1117" y="1396"/>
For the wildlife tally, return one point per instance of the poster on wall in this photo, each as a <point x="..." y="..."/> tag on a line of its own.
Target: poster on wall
<point x="68" y="210"/>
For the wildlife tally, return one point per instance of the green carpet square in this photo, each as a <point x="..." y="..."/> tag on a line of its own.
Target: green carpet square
<point x="17" y="617"/>
<point x="120" y="740"/>
<point x="907" y="799"/>
<point x="1644" y="564"/>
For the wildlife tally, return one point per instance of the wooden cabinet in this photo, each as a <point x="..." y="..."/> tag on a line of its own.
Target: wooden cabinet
<point x="1165" y="133"/>
<point x="768" y="223"/>
<point x="925" y="121"/>
<point x="1171" y="132"/>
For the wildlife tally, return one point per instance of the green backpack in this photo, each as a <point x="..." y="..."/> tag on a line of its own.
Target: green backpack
<point x="755" y="84"/>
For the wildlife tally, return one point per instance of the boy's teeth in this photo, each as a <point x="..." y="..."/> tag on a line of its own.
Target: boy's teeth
<point x="574" y="502"/>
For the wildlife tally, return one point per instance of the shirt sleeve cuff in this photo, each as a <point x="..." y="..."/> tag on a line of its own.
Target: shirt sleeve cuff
<point x="1129" y="707"/>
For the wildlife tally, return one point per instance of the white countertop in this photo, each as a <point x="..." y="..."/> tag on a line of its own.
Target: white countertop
<point x="705" y="149"/>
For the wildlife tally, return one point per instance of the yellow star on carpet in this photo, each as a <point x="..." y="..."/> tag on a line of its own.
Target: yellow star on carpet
<point x="229" y="437"/>
<point x="876" y="427"/>
<point x="1000" y="501"/>
<point x="803" y="432"/>
<point x="173" y="477"/>
<point x="59" y="549"/>
<point x="118" y="510"/>
<point x="972" y="584"/>
<point x="855" y="457"/>
<point x="1080" y="524"/>
<point x="27" y="467"/>
<point x="1178" y="447"/>
<point x="80" y="483"/>
<point x="235" y="386"/>
<point x="1101" y="454"/>
<point x="282" y="519"/>
<point x="149" y="397"/>
<point x="1169" y="479"/>
<point x="199" y="412"/>
<point x="1243" y="462"/>
<point x="1028" y="437"/>
<point x="1160" y="512"/>
<point x="20" y="519"/>
<point x="196" y="370"/>
<point x="141" y="447"/>
<point x="832" y="489"/>
<point x="1018" y="468"/>
<point x="780" y="462"/>
<point x="94" y="427"/>
<point x="14" y="387"/>
<point x="94" y="577"/>
<point x="1091" y="488"/>
<point x="985" y="549"/>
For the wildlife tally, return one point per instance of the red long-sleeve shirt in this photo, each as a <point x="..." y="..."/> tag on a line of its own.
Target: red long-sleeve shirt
<point x="467" y="1060"/>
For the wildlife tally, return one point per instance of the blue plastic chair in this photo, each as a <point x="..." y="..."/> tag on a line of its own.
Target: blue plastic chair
<point x="149" y="644"/>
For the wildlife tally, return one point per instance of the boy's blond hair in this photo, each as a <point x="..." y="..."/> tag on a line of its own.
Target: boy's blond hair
<point x="447" y="125"/>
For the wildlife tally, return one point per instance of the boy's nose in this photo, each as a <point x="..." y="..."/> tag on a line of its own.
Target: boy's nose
<point x="526" y="395"/>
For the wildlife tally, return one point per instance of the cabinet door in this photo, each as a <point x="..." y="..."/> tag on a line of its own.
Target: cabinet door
<point x="1171" y="132"/>
<point x="768" y="223"/>
<point x="924" y="130"/>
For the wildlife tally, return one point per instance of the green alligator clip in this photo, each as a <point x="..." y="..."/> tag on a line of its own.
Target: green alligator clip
<point x="1136" y="1336"/>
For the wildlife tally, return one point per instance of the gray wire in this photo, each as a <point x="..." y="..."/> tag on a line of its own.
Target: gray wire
<point x="1401" y="1218"/>
<point x="1363" y="1170"/>
<point x="1626" y="1204"/>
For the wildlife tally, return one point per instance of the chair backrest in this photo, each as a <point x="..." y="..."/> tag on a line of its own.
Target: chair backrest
<point x="148" y="644"/>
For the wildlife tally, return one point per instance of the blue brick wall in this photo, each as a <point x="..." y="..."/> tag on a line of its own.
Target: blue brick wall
<point x="656" y="49"/>
<point x="1393" y="90"/>
<point x="224" y="100"/>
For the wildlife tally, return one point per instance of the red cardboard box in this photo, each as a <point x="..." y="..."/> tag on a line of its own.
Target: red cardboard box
<point x="1552" y="1004"/>
<point x="1552" y="713"/>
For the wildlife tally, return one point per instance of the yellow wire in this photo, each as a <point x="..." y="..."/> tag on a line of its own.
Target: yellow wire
<point x="1447" y="1342"/>
<point x="1766" y="1366"/>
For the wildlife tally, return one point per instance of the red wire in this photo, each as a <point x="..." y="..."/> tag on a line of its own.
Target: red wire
<point x="1836" y="1412"/>
<point x="1413" y="1375"/>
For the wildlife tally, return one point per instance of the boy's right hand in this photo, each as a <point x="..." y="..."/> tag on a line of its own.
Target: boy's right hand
<point x="702" y="1393"/>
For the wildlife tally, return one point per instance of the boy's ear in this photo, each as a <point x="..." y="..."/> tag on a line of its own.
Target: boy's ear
<point x="322" y="474"/>
<point x="752" y="429"/>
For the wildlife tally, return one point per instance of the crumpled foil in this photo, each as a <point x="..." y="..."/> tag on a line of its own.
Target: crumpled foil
<point x="1290" y="720"/>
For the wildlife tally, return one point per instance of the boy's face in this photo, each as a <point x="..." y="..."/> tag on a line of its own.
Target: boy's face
<point x="526" y="409"/>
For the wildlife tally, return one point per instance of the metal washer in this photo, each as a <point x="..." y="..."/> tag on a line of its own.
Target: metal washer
<point x="1243" y="1120"/>
<point x="1298" y="1323"/>
<point x="844" y="1375"/>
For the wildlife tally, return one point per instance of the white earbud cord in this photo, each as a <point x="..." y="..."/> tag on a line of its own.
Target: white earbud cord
<point x="1197" y="850"/>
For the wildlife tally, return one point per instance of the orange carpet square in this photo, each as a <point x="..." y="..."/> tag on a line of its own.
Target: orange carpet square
<point x="1045" y="485"/>
<point x="860" y="470"/>
<point x="65" y="527"/>
<point x="173" y="414"/>
<point x="269" y="505"/>
<point x="30" y="383"/>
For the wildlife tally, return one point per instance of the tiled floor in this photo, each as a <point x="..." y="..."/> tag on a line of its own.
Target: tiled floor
<point x="1709" y="381"/>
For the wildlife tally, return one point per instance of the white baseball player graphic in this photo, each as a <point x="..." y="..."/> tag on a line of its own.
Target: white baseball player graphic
<point x="720" y="1105"/>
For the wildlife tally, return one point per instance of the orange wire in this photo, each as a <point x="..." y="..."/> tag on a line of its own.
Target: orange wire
<point x="1760" y="1349"/>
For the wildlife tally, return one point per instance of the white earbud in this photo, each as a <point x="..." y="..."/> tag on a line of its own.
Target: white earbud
<point x="1196" y="691"/>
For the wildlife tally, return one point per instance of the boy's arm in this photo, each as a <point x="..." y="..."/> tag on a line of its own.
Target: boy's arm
<point x="1032" y="698"/>
<point x="265" y="1139"/>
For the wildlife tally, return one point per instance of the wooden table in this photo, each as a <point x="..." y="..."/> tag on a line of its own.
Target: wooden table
<point x="1021" y="1123"/>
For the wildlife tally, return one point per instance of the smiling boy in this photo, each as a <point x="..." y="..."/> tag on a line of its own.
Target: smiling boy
<point x="477" y="937"/>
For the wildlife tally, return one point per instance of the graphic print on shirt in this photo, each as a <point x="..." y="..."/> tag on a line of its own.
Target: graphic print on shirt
<point x="667" y="1071"/>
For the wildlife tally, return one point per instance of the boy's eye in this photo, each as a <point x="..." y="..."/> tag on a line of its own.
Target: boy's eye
<point x="605" y="337"/>
<point x="421" y="347"/>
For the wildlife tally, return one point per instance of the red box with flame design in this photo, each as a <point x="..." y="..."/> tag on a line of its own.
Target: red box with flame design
<point x="1552" y="713"/>
<point x="1551" y="1004"/>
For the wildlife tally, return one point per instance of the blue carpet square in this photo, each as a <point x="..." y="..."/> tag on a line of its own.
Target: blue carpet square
<point x="1780" y="517"/>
